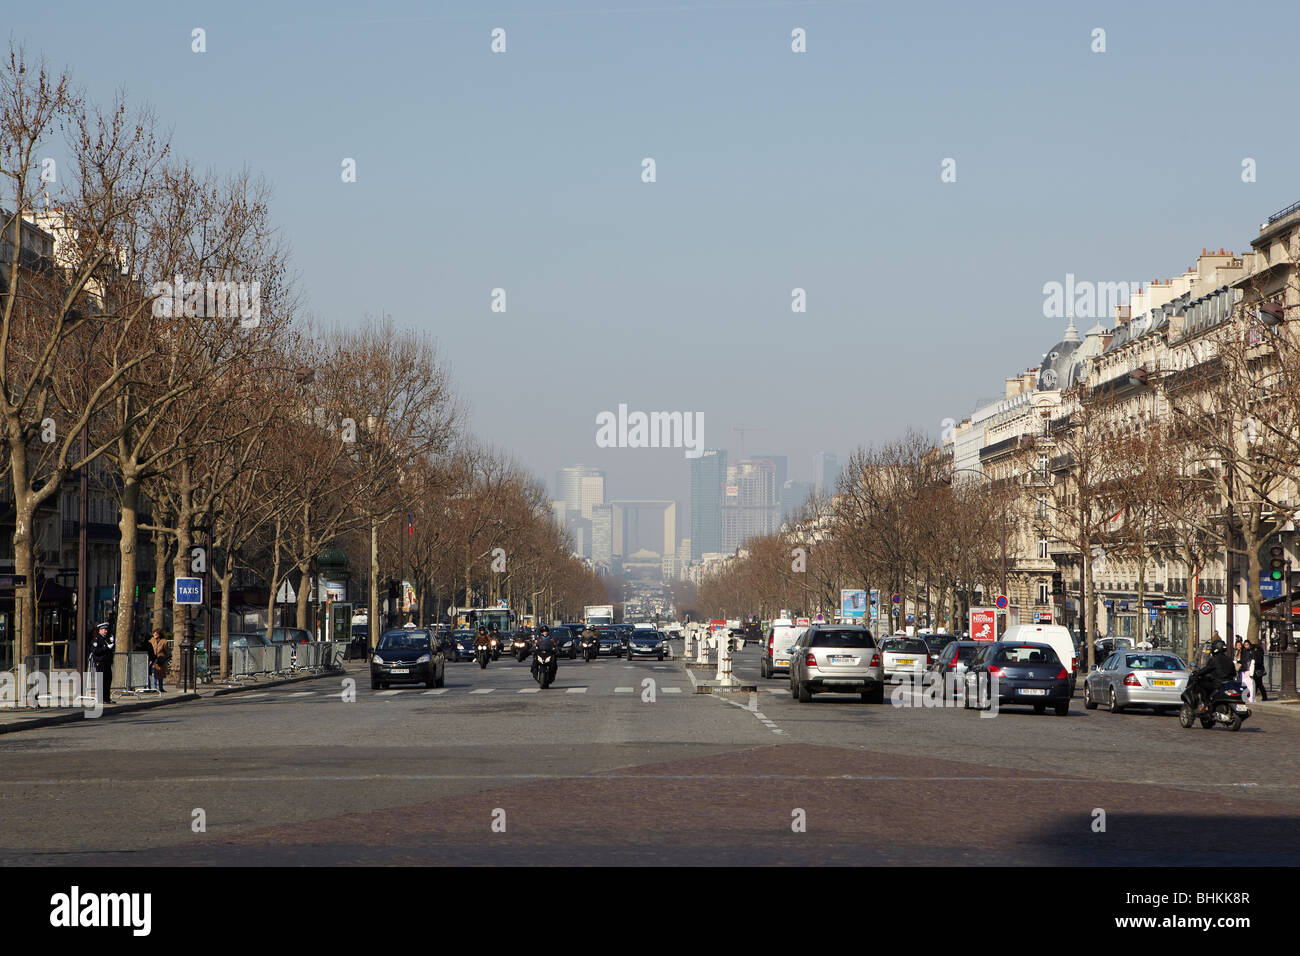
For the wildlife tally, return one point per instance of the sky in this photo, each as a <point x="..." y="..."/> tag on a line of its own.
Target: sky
<point x="921" y="171"/>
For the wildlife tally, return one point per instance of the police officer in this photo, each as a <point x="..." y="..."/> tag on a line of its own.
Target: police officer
<point x="102" y="647"/>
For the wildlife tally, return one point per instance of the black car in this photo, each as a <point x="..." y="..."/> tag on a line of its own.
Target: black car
<point x="610" y="643"/>
<point x="407" y="655"/>
<point x="646" y="643"/>
<point x="463" y="644"/>
<point x="937" y="642"/>
<point x="1028" y="675"/>
<point x="566" y="641"/>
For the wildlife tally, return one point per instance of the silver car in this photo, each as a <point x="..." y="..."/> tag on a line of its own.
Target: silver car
<point x="904" y="657"/>
<point x="838" y="659"/>
<point x="1130" y="678"/>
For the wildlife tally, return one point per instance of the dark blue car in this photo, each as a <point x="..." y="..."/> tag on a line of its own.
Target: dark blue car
<point x="1024" y="675"/>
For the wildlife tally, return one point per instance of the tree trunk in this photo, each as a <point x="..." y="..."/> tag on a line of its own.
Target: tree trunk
<point x="228" y="573"/>
<point x="275" y="581"/>
<point x="1142" y="607"/>
<point x="126" y="577"/>
<point x="160" y="549"/>
<point x="1085" y="610"/>
<point x="372" y="613"/>
<point x="1253" y="594"/>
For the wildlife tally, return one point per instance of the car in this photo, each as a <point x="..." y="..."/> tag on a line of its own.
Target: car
<point x="1131" y="678"/>
<point x="903" y="657"/>
<point x="1103" y="647"/>
<point x="949" y="667"/>
<point x="566" y="641"/>
<point x="610" y="643"/>
<point x="407" y="655"/>
<point x="1054" y="635"/>
<point x="781" y="637"/>
<point x="836" y="658"/>
<point x="646" y="644"/>
<point x="464" y="641"/>
<point x="937" y="642"/>
<point x="1028" y="675"/>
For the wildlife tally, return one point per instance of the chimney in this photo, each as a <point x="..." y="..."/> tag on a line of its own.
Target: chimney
<point x="1122" y="315"/>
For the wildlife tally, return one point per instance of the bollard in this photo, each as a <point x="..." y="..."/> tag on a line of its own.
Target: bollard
<point x="703" y="656"/>
<point x="686" y="644"/>
<point x="724" y="660"/>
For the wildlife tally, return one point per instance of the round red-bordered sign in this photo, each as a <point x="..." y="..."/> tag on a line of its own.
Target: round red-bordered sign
<point x="1002" y="602"/>
<point x="1206" y="607"/>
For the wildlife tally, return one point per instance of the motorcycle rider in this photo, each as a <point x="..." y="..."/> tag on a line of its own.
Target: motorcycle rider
<point x="482" y="640"/>
<point x="591" y="634"/>
<point x="545" y="644"/>
<point x="1206" y="680"/>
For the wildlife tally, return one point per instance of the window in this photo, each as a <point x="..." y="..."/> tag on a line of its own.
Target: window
<point x="1042" y="506"/>
<point x="1042" y="592"/>
<point x="1042" y="547"/>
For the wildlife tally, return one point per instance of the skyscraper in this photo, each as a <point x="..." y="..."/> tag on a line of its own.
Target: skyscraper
<point x="708" y="475"/>
<point x="826" y="472"/>
<point x="580" y="487"/>
<point x="602" y="536"/>
<point x="751" y="506"/>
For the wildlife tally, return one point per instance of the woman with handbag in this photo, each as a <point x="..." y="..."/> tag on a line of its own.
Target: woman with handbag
<point x="160" y="657"/>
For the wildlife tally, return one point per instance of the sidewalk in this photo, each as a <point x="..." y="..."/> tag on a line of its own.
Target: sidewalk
<point x="13" y="720"/>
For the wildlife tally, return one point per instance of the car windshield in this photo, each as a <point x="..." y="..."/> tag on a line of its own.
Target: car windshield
<point x="906" y="645"/>
<point x="403" y="641"/>
<point x="1153" y="662"/>
<point x="1027" y="654"/>
<point x="966" y="653"/>
<point x="845" y="638"/>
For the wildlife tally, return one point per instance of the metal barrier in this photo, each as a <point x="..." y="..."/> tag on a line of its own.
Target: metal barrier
<point x="1273" y="679"/>
<point x="133" y="677"/>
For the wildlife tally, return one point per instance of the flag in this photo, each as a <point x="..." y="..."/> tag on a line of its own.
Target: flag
<point x="410" y="524"/>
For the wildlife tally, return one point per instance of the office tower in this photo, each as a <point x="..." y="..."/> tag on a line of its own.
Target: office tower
<point x="708" y="475"/>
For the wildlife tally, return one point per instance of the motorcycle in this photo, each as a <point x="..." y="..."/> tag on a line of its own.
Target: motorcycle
<point x="544" y="667"/>
<point x="1225" y="707"/>
<point x="521" y="650"/>
<point x="482" y="653"/>
<point x="590" y="648"/>
<point x="495" y="643"/>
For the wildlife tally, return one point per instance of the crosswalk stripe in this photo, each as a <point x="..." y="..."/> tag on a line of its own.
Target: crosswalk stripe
<point x="528" y="690"/>
<point x="434" y="693"/>
<point x="251" y="696"/>
<point x="576" y="690"/>
<point x="672" y="690"/>
<point x="388" y="693"/>
<point x="483" y="690"/>
<point x="303" y="693"/>
<point x="623" y="690"/>
<point x="774" y="690"/>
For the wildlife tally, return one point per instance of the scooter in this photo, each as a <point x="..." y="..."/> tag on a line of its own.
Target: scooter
<point x="544" y="667"/>
<point x="1225" y="707"/>
<point x="483" y="652"/>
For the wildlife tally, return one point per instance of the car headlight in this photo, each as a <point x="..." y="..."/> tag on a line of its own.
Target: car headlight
<point x="424" y="658"/>
<point x="376" y="659"/>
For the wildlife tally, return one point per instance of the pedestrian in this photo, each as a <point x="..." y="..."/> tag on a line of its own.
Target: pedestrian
<point x="102" y="646"/>
<point x="1259" y="671"/>
<point x="1245" y="664"/>
<point x="160" y="656"/>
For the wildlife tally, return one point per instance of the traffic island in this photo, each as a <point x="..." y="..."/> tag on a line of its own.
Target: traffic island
<point x="706" y="685"/>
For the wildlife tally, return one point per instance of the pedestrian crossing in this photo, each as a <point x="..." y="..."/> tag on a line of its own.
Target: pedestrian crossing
<point x="269" y="696"/>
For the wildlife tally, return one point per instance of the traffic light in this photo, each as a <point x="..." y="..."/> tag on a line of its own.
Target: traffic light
<point x="1058" y="583"/>
<point x="1276" y="566"/>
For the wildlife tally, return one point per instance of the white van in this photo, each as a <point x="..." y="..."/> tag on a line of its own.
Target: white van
<point x="1055" y="636"/>
<point x="781" y="637"/>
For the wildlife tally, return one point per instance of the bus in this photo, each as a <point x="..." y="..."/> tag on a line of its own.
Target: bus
<point x="473" y="617"/>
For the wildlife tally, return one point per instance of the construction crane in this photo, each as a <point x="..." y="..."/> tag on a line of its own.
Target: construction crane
<point x="746" y="428"/>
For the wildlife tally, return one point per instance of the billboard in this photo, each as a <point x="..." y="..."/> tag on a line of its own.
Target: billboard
<point x="875" y="605"/>
<point x="983" y="624"/>
<point x="853" y="604"/>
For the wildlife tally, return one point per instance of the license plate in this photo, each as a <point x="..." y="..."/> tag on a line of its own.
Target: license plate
<point x="841" y="659"/>
<point x="782" y="663"/>
<point x="1242" y="708"/>
<point x="1033" y="691"/>
<point x="904" y="665"/>
<point x="1162" y="683"/>
<point x="400" y="670"/>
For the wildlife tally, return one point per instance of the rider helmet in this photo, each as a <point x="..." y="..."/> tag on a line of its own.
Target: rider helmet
<point x="1218" y="647"/>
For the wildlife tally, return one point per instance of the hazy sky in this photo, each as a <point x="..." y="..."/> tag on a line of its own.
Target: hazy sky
<point x="774" y="170"/>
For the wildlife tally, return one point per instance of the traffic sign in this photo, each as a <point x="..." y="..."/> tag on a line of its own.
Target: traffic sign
<point x="1206" y="607"/>
<point x="189" y="591"/>
<point x="895" y="599"/>
<point x="1002" y="602"/>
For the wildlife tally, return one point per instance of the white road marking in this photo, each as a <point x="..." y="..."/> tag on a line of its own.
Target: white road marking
<point x="528" y="690"/>
<point x="576" y="690"/>
<point x="671" y="690"/>
<point x="388" y="693"/>
<point x="775" y="690"/>
<point x="251" y="696"/>
<point x="624" y="690"/>
<point x="434" y="693"/>
<point x="302" y="693"/>
<point x="483" y="690"/>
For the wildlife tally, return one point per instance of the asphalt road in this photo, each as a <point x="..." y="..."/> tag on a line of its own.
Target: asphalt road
<point x="620" y="763"/>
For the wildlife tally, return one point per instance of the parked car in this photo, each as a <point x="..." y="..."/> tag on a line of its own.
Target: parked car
<point x="949" y="668"/>
<point x="1103" y="647"/>
<point x="836" y="658"/>
<point x="1130" y="678"/>
<point x="407" y="655"/>
<point x="903" y="657"/>
<point x="290" y="635"/>
<point x="1028" y="675"/>
<point x="935" y="643"/>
